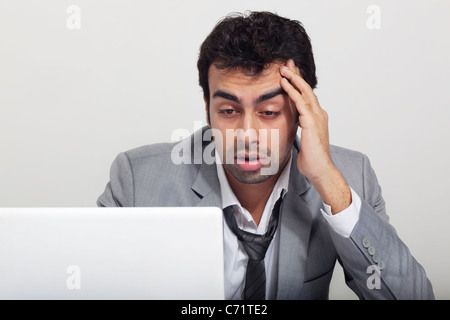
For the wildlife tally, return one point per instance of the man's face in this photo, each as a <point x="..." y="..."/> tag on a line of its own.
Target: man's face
<point x="256" y="122"/>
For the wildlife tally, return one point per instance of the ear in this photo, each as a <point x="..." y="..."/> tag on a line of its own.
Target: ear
<point x="207" y="111"/>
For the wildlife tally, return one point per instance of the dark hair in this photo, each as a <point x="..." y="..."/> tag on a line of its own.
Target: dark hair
<point x="251" y="42"/>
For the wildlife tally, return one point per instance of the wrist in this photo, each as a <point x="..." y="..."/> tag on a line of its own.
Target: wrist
<point x="323" y="180"/>
<point x="334" y="190"/>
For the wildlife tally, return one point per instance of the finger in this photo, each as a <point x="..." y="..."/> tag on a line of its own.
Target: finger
<point x="294" y="93"/>
<point x="291" y="65"/>
<point x="295" y="96"/>
<point x="298" y="82"/>
<point x="289" y="71"/>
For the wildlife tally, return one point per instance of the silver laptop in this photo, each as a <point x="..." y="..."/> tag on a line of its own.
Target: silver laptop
<point x="111" y="253"/>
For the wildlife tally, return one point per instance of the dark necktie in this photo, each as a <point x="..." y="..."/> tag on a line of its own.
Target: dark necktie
<point x="256" y="246"/>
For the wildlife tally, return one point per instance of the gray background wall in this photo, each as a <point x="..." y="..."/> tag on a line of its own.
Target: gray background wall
<point x="72" y="98"/>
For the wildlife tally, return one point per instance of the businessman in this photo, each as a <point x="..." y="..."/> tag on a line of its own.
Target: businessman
<point x="293" y="206"/>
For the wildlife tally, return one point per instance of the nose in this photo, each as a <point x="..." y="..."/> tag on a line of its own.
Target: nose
<point x="248" y="132"/>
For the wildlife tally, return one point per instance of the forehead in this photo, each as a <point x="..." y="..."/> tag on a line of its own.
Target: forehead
<point x="237" y="80"/>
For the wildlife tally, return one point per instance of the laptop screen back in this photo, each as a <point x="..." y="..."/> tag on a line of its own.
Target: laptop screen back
<point x="111" y="253"/>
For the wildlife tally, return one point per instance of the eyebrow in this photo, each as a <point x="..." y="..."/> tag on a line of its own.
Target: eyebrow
<point x="269" y="95"/>
<point x="262" y="98"/>
<point x="226" y="95"/>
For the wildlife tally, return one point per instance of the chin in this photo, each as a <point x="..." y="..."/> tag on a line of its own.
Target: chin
<point x="247" y="177"/>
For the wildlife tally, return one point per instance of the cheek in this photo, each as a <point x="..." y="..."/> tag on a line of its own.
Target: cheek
<point x="216" y="123"/>
<point x="291" y="123"/>
<point x="224" y="146"/>
<point x="287" y="126"/>
<point x="284" y="139"/>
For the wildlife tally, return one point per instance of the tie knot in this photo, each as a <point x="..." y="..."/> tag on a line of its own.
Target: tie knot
<point x="255" y="245"/>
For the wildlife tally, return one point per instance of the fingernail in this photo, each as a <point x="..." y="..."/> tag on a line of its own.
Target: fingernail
<point x="290" y="63"/>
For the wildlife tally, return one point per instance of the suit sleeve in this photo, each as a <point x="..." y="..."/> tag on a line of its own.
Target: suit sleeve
<point x="377" y="264"/>
<point x="119" y="191"/>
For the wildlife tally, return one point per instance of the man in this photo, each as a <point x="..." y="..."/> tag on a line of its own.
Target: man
<point x="291" y="207"/>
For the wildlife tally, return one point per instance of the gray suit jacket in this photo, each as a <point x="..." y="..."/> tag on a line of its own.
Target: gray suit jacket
<point x="309" y="247"/>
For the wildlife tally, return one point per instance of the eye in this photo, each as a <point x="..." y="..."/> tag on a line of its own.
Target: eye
<point x="228" y="112"/>
<point x="269" y="114"/>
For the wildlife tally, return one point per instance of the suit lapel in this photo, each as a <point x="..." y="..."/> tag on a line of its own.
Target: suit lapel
<point x="206" y="184"/>
<point x="295" y="228"/>
<point x="207" y="187"/>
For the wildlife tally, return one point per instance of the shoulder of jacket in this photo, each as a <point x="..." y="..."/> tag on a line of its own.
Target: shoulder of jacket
<point x="347" y="160"/>
<point x="150" y="151"/>
<point x="345" y="154"/>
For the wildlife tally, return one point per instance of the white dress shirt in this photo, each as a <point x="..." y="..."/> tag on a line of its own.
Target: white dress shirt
<point x="235" y="257"/>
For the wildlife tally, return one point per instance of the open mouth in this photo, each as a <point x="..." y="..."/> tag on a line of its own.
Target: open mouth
<point x="249" y="162"/>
